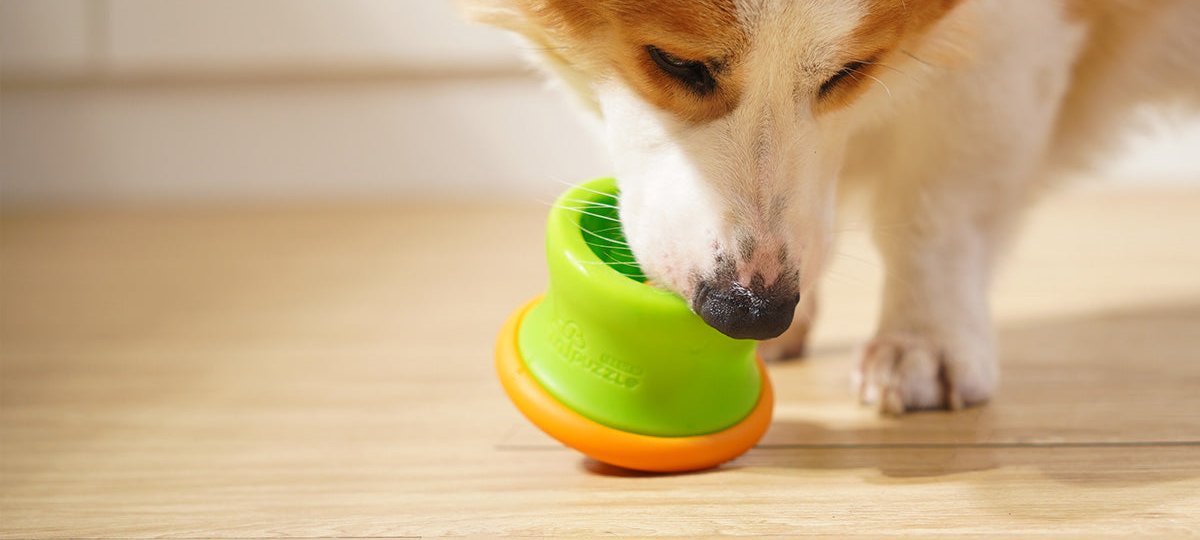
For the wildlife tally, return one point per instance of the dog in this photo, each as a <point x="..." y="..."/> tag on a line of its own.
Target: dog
<point x="735" y="127"/>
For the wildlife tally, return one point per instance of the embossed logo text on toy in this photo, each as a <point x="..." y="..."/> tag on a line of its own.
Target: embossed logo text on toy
<point x="572" y="347"/>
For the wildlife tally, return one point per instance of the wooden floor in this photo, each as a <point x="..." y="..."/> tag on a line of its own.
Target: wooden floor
<point x="327" y="373"/>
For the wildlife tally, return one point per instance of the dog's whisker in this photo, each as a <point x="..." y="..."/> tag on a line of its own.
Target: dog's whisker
<point x="618" y="266"/>
<point x="615" y="242"/>
<point x="596" y="204"/>
<point x="919" y="59"/>
<point x="620" y="236"/>
<point x="583" y="205"/>
<point x="881" y="83"/>
<point x="611" y="244"/>
<point x="856" y="73"/>
<point x="585" y="212"/>
<point x="612" y="249"/>
<point x="605" y="241"/>
<point x="614" y="263"/>
<point x="882" y="65"/>
<point x="587" y="189"/>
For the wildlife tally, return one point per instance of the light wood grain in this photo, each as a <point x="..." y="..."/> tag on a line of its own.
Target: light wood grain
<point x="327" y="373"/>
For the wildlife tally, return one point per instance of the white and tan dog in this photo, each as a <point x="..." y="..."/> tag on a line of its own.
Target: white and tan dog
<point x="734" y="124"/>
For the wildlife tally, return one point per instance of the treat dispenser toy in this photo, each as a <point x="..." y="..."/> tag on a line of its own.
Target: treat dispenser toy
<point x="619" y="369"/>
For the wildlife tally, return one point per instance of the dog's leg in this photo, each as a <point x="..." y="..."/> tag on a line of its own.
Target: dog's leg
<point x="793" y="343"/>
<point x="939" y="237"/>
<point x="959" y="174"/>
<point x="934" y="347"/>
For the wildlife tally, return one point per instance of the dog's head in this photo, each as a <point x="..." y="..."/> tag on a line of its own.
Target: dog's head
<point x="727" y="121"/>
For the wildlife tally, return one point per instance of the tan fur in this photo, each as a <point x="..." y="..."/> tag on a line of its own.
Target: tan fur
<point x="881" y="40"/>
<point x="606" y="38"/>
<point x="703" y="31"/>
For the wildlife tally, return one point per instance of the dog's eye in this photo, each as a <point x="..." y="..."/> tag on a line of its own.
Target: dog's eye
<point x="694" y="74"/>
<point x="846" y="71"/>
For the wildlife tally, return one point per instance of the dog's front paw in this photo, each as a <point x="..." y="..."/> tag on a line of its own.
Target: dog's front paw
<point x="899" y="373"/>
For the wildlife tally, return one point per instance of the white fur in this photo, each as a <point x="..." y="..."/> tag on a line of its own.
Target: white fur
<point x="950" y="143"/>
<point x="689" y="192"/>
<point x="947" y="190"/>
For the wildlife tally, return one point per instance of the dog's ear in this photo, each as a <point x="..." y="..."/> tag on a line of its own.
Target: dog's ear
<point x="549" y="27"/>
<point x="506" y="14"/>
<point x="543" y="22"/>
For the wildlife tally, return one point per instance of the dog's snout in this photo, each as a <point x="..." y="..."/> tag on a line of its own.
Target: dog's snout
<point x="746" y="312"/>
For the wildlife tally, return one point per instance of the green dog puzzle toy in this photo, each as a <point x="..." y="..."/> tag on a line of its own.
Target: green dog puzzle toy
<point x="619" y="369"/>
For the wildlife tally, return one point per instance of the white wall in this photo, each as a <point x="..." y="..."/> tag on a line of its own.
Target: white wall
<point x="184" y="101"/>
<point x="261" y="100"/>
<point x="223" y="37"/>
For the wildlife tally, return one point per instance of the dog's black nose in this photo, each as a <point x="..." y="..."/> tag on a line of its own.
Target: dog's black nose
<point x="738" y="311"/>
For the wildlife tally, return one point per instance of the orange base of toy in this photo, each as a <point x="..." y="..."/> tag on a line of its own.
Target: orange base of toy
<point x="613" y="446"/>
